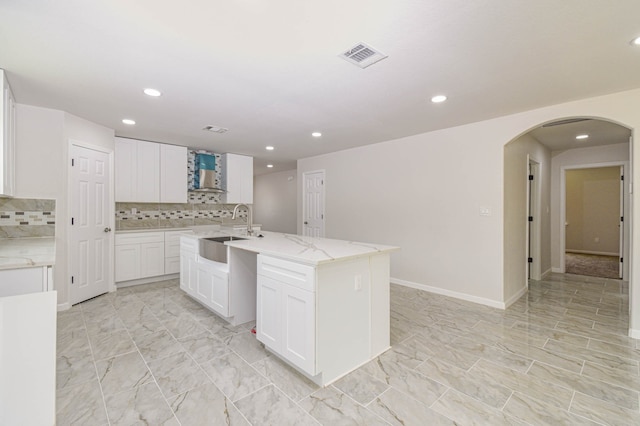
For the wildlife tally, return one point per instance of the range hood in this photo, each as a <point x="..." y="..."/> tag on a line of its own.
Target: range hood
<point x="207" y="182"/>
<point x="205" y="174"/>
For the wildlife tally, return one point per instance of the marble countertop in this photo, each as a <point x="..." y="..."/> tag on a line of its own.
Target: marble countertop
<point x="27" y="252"/>
<point x="297" y="248"/>
<point x="197" y="228"/>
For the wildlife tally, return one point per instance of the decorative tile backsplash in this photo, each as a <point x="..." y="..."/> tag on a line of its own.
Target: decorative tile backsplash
<point x="202" y="209"/>
<point x="21" y="217"/>
<point x="191" y="166"/>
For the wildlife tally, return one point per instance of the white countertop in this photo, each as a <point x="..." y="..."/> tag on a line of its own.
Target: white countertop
<point x="297" y="248"/>
<point x="27" y="252"/>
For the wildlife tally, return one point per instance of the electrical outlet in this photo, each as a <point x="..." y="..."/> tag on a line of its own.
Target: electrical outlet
<point x="358" y="283"/>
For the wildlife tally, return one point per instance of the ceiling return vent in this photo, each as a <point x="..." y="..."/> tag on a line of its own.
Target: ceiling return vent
<point x="215" y="129"/>
<point x="363" y="55"/>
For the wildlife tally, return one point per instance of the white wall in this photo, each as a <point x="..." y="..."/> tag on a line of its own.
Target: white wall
<point x="42" y="168"/>
<point x="587" y="157"/>
<point x="274" y="201"/>
<point x="423" y="193"/>
<point x="516" y="162"/>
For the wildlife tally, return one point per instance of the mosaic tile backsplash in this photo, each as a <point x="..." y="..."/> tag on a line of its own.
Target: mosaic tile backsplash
<point x="202" y="209"/>
<point x="21" y="218"/>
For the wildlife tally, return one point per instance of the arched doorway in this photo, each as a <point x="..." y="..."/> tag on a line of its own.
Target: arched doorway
<point x="533" y="215"/>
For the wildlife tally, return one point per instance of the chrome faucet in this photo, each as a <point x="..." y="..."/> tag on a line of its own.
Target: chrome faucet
<point x="249" y="217"/>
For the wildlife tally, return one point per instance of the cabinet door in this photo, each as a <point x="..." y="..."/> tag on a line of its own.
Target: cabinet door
<point x="237" y="178"/>
<point x="219" y="297"/>
<point x="148" y="172"/>
<point x="127" y="261"/>
<point x="125" y="160"/>
<point x="173" y="174"/>
<point x="298" y="334"/>
<point x="269" y="313"/>
<point x="9" y="142"/>
<point x="151" y="259"/>
<point x="203" y="283"/>
<point x="188" y="272"/>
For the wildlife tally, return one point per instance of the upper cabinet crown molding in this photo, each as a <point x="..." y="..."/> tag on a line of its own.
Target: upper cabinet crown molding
<point x="150" y="172"/>
<point x="8" y="138"/>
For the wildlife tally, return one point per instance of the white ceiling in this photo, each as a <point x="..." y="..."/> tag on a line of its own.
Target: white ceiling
<point x="269" y="70"/>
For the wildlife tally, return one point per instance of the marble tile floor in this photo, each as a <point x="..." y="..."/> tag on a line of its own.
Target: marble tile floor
<point x="559" y="355"/>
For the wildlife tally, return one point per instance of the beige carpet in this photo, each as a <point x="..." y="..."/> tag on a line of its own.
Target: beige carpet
<point x="592" y="265"/>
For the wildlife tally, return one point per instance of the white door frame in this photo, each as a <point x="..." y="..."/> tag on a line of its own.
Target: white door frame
<point x="627" y="211"/>
<point x="112" y="213"/>
<point x="533" y="228"/>
<point x="304" y="190"/>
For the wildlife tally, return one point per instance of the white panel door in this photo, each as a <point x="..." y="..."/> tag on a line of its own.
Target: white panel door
<point x="91" y="236"/>
<point x="313" y="208"/>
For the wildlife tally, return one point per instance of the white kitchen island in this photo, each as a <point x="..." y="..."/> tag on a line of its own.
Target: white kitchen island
<point x="321" y="305"/>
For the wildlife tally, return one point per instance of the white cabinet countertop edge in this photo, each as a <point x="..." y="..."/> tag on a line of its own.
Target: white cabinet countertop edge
<point x="27" y="252"/>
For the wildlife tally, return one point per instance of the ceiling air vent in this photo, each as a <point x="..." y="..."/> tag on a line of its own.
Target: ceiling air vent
<point x="363" y="55"/>
<point x="215" y="129"/>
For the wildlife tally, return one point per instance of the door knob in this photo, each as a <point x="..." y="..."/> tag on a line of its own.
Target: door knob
<point x="107" y="229"/>
<point x="306" y="223"/>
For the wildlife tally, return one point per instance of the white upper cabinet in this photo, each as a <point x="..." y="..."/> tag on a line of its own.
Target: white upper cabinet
<point x="173" y="174"/>
<point x="149" y="172"/>
<point x="8" y="135"/>
<point x="237" y="179"/>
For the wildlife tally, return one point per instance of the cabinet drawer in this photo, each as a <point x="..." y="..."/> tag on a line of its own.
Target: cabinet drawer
<point x="139" y="238"/>
<point x="295" y="274"/>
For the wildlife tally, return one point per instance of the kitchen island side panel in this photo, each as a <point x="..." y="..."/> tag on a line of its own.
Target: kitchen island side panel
<point x="380" y="304"/>
<point x="342" y="321"/>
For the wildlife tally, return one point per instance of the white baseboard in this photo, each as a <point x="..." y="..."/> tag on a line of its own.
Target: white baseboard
<point x="515" y="297"/>
<point x="455" y="294"/>
<point x="64" y="306"/>
<point x="634" y="333"/>
<point x="123" y="284"/>
<point x="546" y="274"/>
<point x="558" y="270"/>
<point x="599" y="253"/>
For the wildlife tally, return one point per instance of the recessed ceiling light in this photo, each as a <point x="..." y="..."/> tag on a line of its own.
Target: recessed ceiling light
<point x="582" y="137"/>
<point x="152" y="92"/>
<point x="270" y="166"/>
<point x="129" y="121"/>
<point x="316" y="134"/>
<point x="439" y="98"/>
<point x="269" y="148"/>
<point x="635" y="41"/>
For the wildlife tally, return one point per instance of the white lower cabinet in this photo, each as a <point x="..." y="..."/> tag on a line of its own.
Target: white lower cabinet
<point x="139" y="255"/>
<point x="172" y="252"/>
<point x="286" y="314"/>
<point x="204" y="280"/>
<point x="188" y="268"/>
<point x="212" y="287"/>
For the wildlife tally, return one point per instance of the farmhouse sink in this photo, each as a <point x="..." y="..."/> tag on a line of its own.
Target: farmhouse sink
<point x="214" y="249"/>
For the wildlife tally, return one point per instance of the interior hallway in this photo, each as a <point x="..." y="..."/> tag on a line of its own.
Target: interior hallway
<point x="560" y="355"/>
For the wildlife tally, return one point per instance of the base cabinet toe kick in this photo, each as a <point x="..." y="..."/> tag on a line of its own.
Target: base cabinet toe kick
<point x="325" y="319"/>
